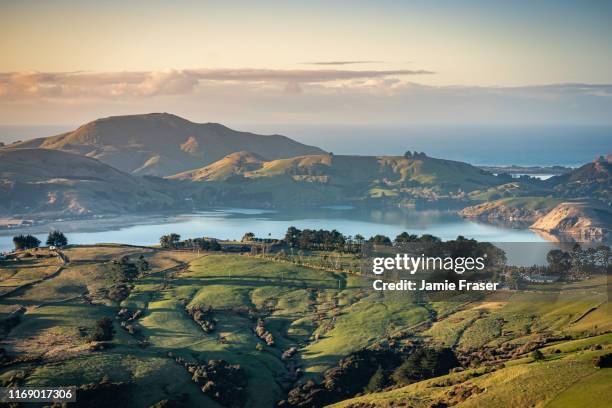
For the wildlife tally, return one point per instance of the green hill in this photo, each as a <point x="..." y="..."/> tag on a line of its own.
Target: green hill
<point x="280" y="324"/>
<point x="331" y="178"/>
<point x="43" y="182"/>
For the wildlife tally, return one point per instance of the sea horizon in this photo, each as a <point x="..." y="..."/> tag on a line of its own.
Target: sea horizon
<point x="480" y="145"/>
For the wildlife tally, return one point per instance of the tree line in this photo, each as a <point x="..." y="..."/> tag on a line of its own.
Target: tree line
<point x="173" y="241"/>
<point x="55" y="238"/>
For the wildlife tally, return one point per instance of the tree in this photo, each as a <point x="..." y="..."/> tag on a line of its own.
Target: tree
<point x="57" y="238"/>
<point x="123" y="270"/>
<point x="248" y="237"/>
<point x="292" y="236"/>
<point x="104" y="330"/>
<point x="537" y="355"/>
<point x="425" y="363"/>
<point x="380" y="240"/>
<point x="559" y="261"/>
<point x="405" y="237"/>
<point x="169" y="241"/>
<point x="25" y="242"/>
<point x="142" y="265"/>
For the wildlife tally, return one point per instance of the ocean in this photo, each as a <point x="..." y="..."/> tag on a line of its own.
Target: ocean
<point x="569" y="146"/>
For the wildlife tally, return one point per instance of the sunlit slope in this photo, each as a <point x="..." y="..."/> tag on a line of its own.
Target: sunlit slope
<point x="162" y="144"/>
<point x="348" y="177"/>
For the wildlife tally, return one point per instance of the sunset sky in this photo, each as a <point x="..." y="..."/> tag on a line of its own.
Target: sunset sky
<point x="358" y="62"/>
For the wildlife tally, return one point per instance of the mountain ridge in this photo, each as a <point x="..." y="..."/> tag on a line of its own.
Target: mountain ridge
<point x="163" y="144"/>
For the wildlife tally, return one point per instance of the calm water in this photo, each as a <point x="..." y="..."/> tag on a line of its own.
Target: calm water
<point x="233" y="223"/>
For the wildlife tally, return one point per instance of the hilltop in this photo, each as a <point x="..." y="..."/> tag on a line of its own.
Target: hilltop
<point x="163" y="144"/>
<point x="592" y="180"/>
<point x="42" y="181"/>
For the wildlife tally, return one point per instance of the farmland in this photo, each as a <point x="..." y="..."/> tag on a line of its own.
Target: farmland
<point x="284" y="324"/>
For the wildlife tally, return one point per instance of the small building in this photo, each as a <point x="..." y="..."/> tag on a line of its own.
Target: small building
<point x="541" y="278"/>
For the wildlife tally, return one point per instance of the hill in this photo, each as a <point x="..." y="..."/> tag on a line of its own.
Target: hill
<point x="163" y="144"/>
<point x="515" y="211"/>
<point x="49" y="182"/>
<point x="592" y="180"/>
<point x="332" y="178"/>
<point x="281" y="323"/>
<point x="583" y="221"/>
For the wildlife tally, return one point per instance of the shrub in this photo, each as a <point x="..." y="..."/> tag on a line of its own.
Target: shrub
<point x="603" y="361"/>
<point x="104" y="330"/>
<point x="537" y="355"/>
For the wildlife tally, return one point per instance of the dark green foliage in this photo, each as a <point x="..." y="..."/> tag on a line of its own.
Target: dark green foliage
<point x="169" y="241"/>
<point x="248" y="237"/>
<point x="380" y="240"/>
<point x="13" y="319"/>
<point x="118" y="292"/>
<point x="104" y="330"/>
<point x="57" y="238"/>
<point x="424" y="363"/>
<point x="317" y="239"/>
<point x="377" y="382"/>
<point x="123" y="270"/>
<point x="405" y="237"/>
<point x="142" y="265"/>
<point x="603" y="361"/>
<point x="25" y="242"/>
<point x="173" y="241"/>
<point x="537" y="355"/>
<point x="223" y="382"/>
<point x="352" y="375"/>
<point x="102" y="395"/>
<point x="203" y="244"/>
<point x="559" y="261"/>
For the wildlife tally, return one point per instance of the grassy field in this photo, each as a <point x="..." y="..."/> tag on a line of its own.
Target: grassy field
<point x="324" y="315"/>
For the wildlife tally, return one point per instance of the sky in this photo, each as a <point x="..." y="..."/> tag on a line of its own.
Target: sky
<point x="391" y="63"/>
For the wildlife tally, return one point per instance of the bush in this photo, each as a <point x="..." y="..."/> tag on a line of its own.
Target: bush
<point x="537" y="355"/>
<point x="603" y="361"/>
<point x="104" y="330"/>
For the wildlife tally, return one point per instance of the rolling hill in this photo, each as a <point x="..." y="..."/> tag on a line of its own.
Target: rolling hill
<point x="574" y="205"/>
<point x="163" y="144"/>
<point x="341" y="177"/>
<point x="43" y="182"/>
<point x="288" y="327"/>
<point x="592" y="180"/>
<point x="583" y="221"/>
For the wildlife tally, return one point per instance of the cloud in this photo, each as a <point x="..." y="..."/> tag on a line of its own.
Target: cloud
<point x="24" y="85"/>
<point x="384" y="97"/>
<point x="340" y="62"/>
